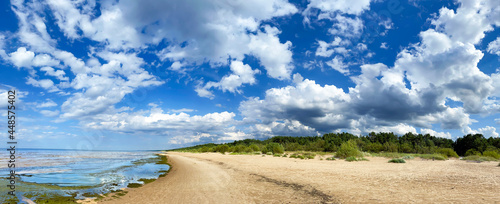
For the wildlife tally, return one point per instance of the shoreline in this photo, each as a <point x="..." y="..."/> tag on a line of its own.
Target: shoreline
<point x="217" y="178"/>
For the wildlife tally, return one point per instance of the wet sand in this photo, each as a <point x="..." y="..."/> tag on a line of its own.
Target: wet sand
<point x="217" y="178"/>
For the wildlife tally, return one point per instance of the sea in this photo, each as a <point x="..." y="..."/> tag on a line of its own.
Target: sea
<point x="46" y="173"/>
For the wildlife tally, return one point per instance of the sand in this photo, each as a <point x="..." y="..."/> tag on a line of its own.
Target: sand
<point x="217" y="178"/>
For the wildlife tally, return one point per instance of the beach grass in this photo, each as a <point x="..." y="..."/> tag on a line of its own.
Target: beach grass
<point x="479" y="158"/>
<point x="433" y="156"/>
<point x="351" y="159"/>
<point x="397" y="161"/>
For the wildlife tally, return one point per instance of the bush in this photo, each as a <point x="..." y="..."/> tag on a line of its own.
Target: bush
<point x="264" y="150"/>
<point x="397" y="161"/>
<point x="269" y="153"/>
<point x="348" y="149"/>
<point x="275" y="148"/>
<point x="490" y="153"/>
<point x="301" y="157"/>
<point x="448" y="152"/>
<point x="351" y="159"/>
<point x="472" y="152"/>
<point x="254" y="148"/>
<point x="222" y="148"/>
<point x="330" y="158"/>
<point x="240" y="148"/>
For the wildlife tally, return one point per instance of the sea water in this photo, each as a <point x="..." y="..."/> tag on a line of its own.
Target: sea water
<point x="70" y="172"/>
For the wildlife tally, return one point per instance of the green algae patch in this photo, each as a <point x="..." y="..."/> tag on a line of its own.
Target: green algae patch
<point x="146" y="181"/>
<point x="134" y="185"/>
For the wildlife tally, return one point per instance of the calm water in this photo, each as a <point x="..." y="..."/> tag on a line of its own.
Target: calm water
<point x="65" y="172"/>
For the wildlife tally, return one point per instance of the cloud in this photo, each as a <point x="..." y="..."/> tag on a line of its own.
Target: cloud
<point x="47" y="104"/>
<point x="59" y="74"/>
<point x="342" y="6"/>
<point x="470" y="21"/>
<point x="337" y="64"/>
<point x="46" y="84"/>
<point x="48" y="113"/>
<point x="384" y="46"/>
<point x="347" y="27"/>
<point x="22" y="57"/>
<point x="278" y="65"/>
<point x="324" y="48"/>
<point x="446" y="135"/>
<point x="241" y="74"/>
<point x="487" y="131"/>
<point x="319" y="107"/>
<point x="179" y="128"/>
<point x="494" y="47"/>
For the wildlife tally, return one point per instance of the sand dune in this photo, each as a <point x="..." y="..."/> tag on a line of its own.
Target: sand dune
<point x="216" y="178"/>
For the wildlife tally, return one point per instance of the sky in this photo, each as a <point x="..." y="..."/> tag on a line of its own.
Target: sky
<point x="127" y="74"/>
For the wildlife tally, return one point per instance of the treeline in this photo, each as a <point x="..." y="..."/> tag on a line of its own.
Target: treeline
<point x="471" y="144"/>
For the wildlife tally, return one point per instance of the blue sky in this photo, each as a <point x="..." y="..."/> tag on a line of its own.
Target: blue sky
<point x="165" y="74"/>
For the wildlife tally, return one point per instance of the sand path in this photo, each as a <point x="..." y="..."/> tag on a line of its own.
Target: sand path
<point x="216" y="178"/>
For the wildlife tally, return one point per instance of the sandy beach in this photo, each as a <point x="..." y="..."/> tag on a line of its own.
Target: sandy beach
<point x="217" y="178"/>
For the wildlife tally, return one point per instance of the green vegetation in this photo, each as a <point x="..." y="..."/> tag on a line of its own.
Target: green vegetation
<point x="378" y="144"/>
<point x="447" y="152"/>
<point x="134" y="185"/>
<point x="348" y="149"/>
<point x="351" y="159"/>
<point x="490" y="153"/>
<point x="407" y="157"/>
<point x="433" y="156"/>
<point x="397" y="161"/>
<point x="479" y="158"/>
<point x="146" y="181"/>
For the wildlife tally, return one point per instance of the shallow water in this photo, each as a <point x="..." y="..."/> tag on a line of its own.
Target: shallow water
<point x="67" y="172"/>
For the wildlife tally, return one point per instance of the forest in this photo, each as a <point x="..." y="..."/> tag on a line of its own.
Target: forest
<point x="468" y="145"/>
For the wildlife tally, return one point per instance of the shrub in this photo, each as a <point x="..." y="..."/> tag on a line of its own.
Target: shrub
<point x="254" y="148"/>
<point x="222" y="148"/>
<point x="239" y="148"/>
<point x="285" y="155"/>
<point x="448" y="152"/>
<point x="277" y="155"/>
<point x="397" y="161"/>
<point x="264" y="150"/>
<point x="301" y="157"/>
<point x="348" y="149"/>
<point x="275" y="148"/>
<point x="351" y="159"/>
<point x="330" y="158"/>
<point x="472" y="152"/>
<point x="490" y="153"/>
<point x="269" y="153"/>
